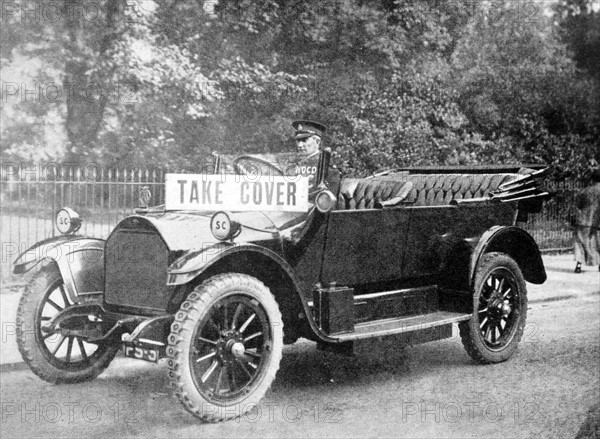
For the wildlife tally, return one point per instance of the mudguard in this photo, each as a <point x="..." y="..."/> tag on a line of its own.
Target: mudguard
<point x="195" y="262"/>
<point x="516" y="243"/>
<point x="79" y="259"/>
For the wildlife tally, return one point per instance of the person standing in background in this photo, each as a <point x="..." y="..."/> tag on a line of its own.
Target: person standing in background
<point x="586" y="224"/>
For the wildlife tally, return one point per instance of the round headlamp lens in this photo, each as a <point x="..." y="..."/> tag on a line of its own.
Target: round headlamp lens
<point x="67" y="221"/>
<point x="325" y="201"/>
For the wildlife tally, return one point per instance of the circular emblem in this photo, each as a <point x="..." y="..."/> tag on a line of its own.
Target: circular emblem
<point x="67" y="221"/>
<point x="220" y="225"/>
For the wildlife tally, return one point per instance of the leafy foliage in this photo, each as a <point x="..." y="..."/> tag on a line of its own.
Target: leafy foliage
<point x="398" y="83"/>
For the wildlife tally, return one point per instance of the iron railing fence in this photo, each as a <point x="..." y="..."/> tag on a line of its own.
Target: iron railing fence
<point x="103" y="197"/>
<point x="551" y="228"/>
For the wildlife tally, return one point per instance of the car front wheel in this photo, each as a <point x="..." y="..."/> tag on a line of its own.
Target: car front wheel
<point x="54" y="356"/>
<point x="499" y="310"/>
<point x="225" y="346"/>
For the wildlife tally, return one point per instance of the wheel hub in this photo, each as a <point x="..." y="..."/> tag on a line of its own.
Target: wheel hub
<point x="230" y="346"/>
<point x="237" y="349"/>
<point x="499" y="308"/>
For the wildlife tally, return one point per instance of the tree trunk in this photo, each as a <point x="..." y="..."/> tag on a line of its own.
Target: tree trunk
<point x="86" y="95"/>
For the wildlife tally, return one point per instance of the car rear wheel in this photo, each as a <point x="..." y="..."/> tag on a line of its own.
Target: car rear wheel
<point x="499" y="310"/>
<point x="52" y="356"/>
<point x="225" y="347"/>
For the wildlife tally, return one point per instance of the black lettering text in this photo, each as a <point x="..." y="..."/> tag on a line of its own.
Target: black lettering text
<point x="269" y="193"/>
<point x="280" y="186"/>
<point x="218" y="192"/>
<point x="206" y="192"/>
<point x="181" y="189"/>
<point x="244" y="198"/>
<point x="291" y="194"/>
<point x="257" y="194"/>
<point x="194" y="192"/>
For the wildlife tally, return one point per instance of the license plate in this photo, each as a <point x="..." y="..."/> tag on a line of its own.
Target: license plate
<point x="146" y="354"/>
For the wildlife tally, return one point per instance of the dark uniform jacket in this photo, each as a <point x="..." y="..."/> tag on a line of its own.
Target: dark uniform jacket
<point x="308" y="167"/>
<point x="587" y="225"/>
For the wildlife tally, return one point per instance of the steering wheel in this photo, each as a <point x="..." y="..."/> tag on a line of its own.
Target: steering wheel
<point x="249" y="165"/>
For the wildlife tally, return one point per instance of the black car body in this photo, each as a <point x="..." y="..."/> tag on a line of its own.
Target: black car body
<point x="405" y="253"/>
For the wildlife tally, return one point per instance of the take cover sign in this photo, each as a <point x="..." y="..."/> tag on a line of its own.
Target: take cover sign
<point x="236" y="193"/>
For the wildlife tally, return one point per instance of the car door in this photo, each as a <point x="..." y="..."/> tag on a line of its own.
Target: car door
<point x="434" y="233"/>
<point x="364" y="246"/>
<point x="431" y="233"/>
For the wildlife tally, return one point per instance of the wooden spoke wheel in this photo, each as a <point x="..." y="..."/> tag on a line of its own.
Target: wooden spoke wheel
<point x="499" y="310"/>
<point x="225" y="346"/>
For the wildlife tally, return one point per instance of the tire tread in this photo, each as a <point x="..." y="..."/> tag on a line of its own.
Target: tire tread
<point x="465" y="330"/>
<point x="185" y="320"/>
<point x="37" y="285"/>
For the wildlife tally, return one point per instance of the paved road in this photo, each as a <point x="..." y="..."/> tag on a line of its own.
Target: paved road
<point x="432" y="390"/>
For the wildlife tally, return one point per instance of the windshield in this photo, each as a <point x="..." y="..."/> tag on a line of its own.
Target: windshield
<point x="259" y="164"/>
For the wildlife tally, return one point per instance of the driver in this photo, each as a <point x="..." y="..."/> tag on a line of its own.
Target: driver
<point x="308" y="136"/>
<point x="308" y="142"/>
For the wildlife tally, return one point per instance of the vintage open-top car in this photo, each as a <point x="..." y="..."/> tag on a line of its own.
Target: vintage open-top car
<point x="218" y="292"/>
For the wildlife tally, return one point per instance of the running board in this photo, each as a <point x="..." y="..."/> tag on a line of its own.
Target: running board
<point x="399" y="325"/>
<point x="393" y="304"/>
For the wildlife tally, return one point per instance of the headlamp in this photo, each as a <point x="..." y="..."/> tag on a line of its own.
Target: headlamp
<point x="67" y="221"/>
<point x="325" y="201"/>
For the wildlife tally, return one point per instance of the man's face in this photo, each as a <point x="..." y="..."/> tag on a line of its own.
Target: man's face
<point x="308" y="145"/>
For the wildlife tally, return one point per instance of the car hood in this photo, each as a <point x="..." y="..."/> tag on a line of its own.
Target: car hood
<point x="191" y="230"/>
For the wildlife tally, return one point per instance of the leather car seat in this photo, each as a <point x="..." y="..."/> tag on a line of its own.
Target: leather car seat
<point x="416" y="189"/>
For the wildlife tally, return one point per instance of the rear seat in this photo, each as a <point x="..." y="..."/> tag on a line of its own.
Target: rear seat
<point x="416" y="189"/>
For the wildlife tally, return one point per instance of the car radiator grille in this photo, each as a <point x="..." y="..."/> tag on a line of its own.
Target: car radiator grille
<point x="136" y="264"/>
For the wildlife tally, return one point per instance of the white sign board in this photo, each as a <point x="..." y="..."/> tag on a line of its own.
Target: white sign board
<point x="236" y="193"/>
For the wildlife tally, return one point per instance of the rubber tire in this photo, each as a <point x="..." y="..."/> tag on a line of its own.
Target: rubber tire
<point x="27" y="336"/>
<point x="470" y="333"/>
<point x="190" y="313"/>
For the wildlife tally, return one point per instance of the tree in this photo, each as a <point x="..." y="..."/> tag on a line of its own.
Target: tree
<point x="519" y="86"/>
<point x="579" y="22"/>
<point x="121" y="90"/>
<point x="399" y="83"/>
<point x="275" y="61"/>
